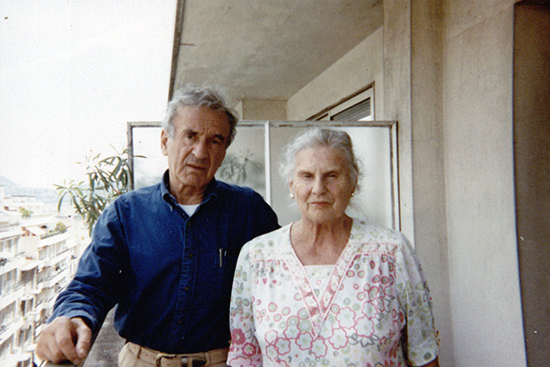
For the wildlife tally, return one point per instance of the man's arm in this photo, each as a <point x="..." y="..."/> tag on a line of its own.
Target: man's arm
<point x="81" y="307"/>
<point x="64" y="339"/>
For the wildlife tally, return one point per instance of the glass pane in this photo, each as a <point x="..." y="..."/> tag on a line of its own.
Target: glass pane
<point x="244" y="162"/>
<point x="374" y="200"/>
<point x="245" y="165"/>
<point x="149" y="163"/>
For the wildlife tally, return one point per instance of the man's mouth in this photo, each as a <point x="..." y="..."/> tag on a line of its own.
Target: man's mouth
<point x="197" y="167"/>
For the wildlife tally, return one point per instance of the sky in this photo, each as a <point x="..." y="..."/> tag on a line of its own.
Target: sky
<point x="72" y="74"/>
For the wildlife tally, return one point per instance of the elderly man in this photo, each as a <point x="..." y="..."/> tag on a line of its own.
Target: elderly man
<point x="165" y="255"/>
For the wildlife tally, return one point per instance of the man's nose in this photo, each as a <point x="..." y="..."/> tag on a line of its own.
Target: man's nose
<point x="200" y="150"/>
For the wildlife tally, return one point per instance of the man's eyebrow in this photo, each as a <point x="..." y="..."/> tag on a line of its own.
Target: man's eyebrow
<point x="188" y="131"/>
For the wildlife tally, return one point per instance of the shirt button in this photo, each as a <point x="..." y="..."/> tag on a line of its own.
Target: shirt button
<point x="188" y="224"/>
<point x="190" y="255"/>
<point x="186" y="289"/>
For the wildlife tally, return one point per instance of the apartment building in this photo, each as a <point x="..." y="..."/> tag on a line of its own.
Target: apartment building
<point x="38" y="257"/>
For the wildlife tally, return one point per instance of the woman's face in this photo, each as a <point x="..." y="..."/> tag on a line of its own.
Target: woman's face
<point x="321" y="184"/>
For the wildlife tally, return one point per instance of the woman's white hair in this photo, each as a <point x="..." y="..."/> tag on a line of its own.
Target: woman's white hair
<point x="318" y="137"/>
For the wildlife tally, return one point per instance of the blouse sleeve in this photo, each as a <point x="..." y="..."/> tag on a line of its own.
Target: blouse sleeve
<point x="420" y="342"/>
<point x="244" y="350"/>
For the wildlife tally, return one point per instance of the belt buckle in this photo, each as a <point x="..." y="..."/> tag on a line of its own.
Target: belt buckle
<point x="184" y="360"/>
<point x="160" y="356"/>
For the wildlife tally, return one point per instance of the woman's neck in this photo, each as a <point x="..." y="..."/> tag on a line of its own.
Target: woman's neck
<point x="320" y="243"/>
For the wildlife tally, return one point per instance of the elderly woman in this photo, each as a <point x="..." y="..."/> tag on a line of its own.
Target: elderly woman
<point x="329" y="290"/>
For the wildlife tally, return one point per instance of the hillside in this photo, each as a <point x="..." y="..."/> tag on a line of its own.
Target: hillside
<point x="11" y="188"/>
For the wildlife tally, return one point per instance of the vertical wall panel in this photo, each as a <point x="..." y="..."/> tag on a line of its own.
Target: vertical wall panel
<point x="532" y="173"/>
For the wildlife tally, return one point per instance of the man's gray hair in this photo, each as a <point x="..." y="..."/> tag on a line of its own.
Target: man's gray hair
<point x="317" y="137"/>
<point x="206" y="96"/>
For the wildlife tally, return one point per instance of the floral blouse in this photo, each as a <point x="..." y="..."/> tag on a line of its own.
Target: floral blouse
<point x="374" y="310"/>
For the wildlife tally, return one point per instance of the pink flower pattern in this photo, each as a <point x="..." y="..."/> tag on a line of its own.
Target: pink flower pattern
<point x="375" y="293"/>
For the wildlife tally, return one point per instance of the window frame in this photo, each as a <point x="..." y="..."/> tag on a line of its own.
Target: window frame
<point x="269" y="126"/>
<point x="350" y="101"/>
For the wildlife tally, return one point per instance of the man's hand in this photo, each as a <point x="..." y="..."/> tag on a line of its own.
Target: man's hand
<point x="64" y="339"/>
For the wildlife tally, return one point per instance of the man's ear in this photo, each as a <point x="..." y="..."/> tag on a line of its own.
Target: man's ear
<point x="164" y="142"/>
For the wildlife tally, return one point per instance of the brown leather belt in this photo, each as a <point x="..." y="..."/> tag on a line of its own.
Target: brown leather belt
<point x="160" y="359"/>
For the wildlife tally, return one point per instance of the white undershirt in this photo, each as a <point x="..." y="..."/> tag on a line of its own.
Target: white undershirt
<point x="189" y="209"/>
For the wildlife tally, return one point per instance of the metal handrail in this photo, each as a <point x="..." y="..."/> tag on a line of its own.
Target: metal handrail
<point x="64" y="364"/>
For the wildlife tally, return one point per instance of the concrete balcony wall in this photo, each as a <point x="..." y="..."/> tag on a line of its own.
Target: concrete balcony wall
<point x="54" y="239"/>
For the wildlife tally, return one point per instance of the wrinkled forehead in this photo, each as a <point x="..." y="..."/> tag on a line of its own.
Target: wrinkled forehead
<point x="202" y="120"/>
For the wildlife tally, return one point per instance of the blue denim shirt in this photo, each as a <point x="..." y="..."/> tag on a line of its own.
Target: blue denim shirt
<point x="170" y="275"/>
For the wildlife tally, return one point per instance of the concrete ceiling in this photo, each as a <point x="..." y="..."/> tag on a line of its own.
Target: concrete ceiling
<point x="266" y="49"/>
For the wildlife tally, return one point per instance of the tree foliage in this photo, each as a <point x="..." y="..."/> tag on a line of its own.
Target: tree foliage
<point x="25" y="213"/>
<point x="108" y="178"/>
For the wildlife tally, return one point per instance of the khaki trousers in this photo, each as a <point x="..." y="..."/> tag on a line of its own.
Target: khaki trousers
<point x="133" y="355"/>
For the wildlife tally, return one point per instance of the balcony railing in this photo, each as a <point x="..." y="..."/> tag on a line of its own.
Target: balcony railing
<point x="51" y="364"/>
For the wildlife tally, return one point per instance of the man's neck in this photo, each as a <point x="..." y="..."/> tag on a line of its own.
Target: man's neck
<point x="187" y="195"/>
<point x="189" y="199"/>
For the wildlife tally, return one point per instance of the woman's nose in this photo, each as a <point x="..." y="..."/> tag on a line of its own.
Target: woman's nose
<point x="319" y="185"/>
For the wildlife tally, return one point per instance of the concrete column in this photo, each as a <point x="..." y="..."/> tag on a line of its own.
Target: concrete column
<point x="479" y="182"/>
<point x="412" y="96"/>
<point x="428" y="161"/>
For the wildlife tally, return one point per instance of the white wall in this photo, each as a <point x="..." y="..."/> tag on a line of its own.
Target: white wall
<point x="485" y="300"/>
<point x="252" y="109"/>
<point x="359" y="68"/>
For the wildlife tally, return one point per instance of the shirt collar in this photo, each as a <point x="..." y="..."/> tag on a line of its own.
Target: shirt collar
<point x="209" y="193"/>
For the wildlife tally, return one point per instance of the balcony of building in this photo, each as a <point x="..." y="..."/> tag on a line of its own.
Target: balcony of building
<point x="10" y="328"/>
<point x="467" y="82"/>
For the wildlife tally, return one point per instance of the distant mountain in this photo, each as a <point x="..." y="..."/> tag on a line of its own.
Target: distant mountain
<point x="48" y="196"/>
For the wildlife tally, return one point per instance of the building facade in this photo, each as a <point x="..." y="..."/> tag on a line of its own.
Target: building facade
<point x="38" y="257"/>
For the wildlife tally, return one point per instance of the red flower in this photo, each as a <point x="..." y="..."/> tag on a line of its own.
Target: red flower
<point x="237" y="337"/>
<point x="249" y="350"/>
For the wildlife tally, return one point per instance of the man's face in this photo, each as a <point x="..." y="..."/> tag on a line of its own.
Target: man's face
<point x="197" y="149"/>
